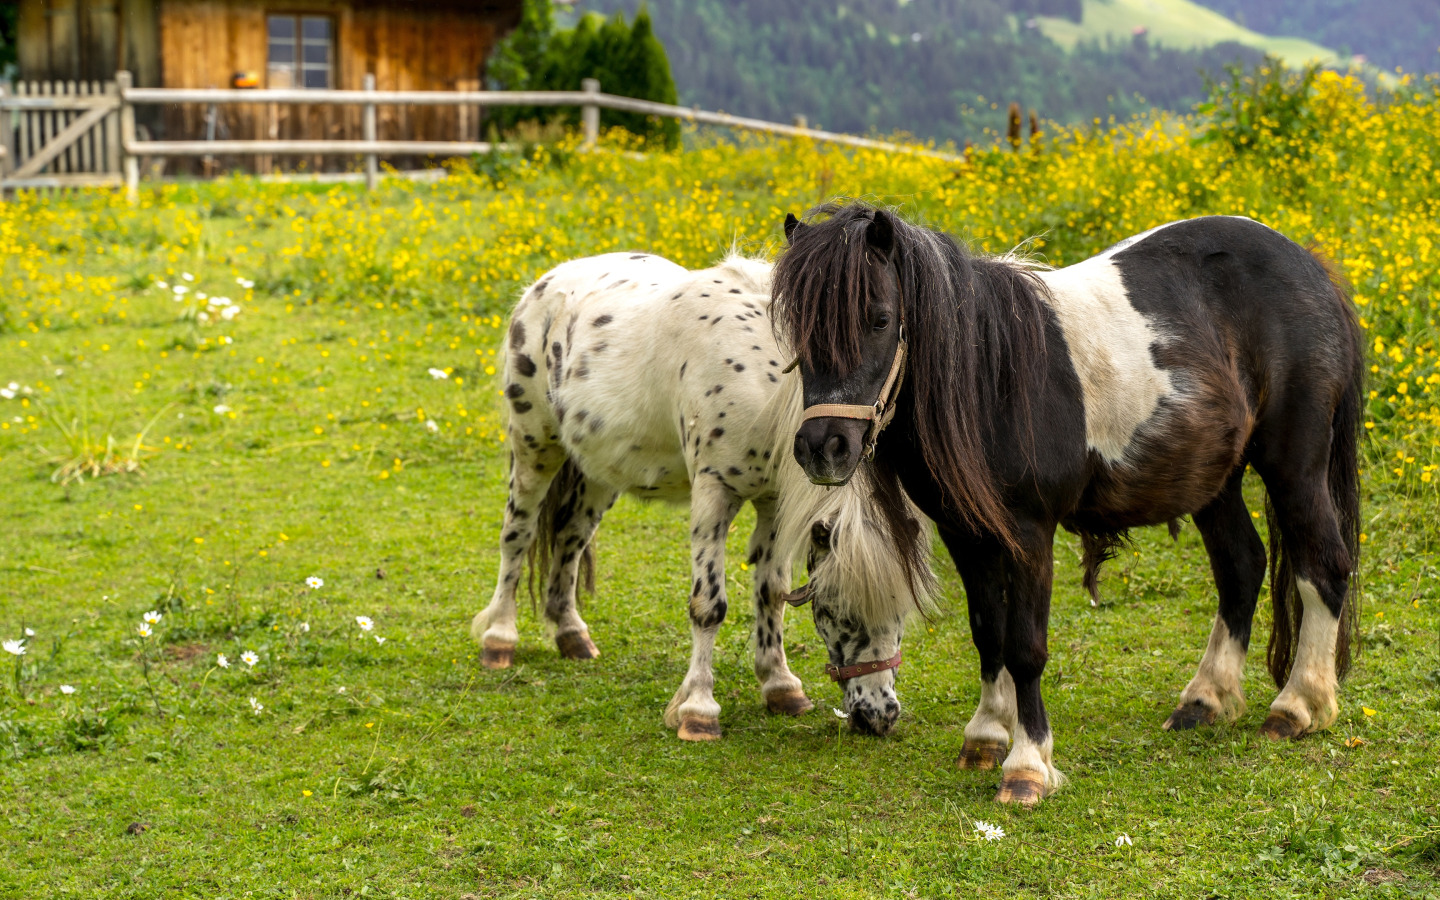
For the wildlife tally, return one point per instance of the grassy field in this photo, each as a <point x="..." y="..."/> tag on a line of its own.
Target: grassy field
<point x="309" y="435"/>
<point x="1177" y="23"/>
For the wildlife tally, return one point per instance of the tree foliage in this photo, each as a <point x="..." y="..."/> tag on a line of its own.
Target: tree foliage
<point x="921" y="67"/>
<point x="627" y="60"/>
<point x="1403" y="33"/>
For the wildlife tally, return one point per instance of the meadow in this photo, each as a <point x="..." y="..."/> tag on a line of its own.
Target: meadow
<point x="268" y="414"/>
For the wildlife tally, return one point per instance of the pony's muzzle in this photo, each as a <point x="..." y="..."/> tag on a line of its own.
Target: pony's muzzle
<point x="873" y="709"/>
<point x="829" y="449"/>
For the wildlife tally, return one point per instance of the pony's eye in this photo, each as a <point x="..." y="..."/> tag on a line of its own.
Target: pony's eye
<point x="882" y="322"/>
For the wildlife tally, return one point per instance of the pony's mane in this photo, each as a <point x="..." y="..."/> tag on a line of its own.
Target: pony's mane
<point x="977" y="344"/>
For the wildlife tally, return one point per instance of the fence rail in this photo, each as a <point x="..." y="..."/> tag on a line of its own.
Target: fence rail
<point x="115" y="108"/>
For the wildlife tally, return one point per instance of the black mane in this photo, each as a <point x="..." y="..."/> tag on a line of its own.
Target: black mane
<point x="979" y="356"/>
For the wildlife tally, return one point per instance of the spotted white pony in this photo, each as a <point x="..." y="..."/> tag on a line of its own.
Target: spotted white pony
<point x="628" y="373"/>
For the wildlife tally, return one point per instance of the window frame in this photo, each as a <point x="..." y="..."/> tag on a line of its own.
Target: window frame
<point x="298" y="67"/>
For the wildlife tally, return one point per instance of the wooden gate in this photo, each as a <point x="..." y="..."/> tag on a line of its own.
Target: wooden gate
<point x="59" y="134"/>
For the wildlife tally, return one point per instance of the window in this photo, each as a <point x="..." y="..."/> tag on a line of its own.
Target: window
<point x="302" y="51"/>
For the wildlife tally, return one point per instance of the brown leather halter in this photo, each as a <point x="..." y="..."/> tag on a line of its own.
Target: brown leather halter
<point x="878" y="414"/>
<point x="842" y="674"/>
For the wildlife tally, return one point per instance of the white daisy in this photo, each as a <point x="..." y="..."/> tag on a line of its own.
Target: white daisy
<point x="249" y="658"/>
<point x="438" y="373"/>
<point x="365" y="622"/>
<point x="187" y="276"/>
<point x="180" y="290"/>
<point x="246" y="283"/>
<point x="1123" y="841"/>
<point x="430" y="426"/>
<point x="988" y="831"/>
<point x="379" y="639"/>
<point x="314" y="583"/>
<point x="221" y="409"/>
<point x="840" y="713"/>
<point x="222" y="661"/>
<point x="29" y="632"/>
<point x="229" y="312"/>
<point x="15" y="647"/>
<point x="144" y="629"/>
<point x="305" y="626"/>
<point x="152" y="617"/>
<point x="7" y="393"/>
<point x="257" y="706"/>
<point x="67" y="689"/>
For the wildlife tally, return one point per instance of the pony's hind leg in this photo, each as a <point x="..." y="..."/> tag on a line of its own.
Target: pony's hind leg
<point x="1319" y="572"/>
<point x="693" y="711"/>
<point x="988" y="733"/>
<point x="782" y="691"/>
<point x="577" y="515"/>
<point x="532" y="469"/>
<point x="1237" y="560"/>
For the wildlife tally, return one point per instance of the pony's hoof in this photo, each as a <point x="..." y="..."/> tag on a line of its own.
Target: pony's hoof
<point x="981" y="755"/>
<point x="789" y="703"/>
<point x="1279" y="726"/>
<point x="497" y="656"/>
<point x="695" y="728"/>
<point x="576" y="645"/>
<point x="1024" y="787"/>
<point x="1188" y="716"/>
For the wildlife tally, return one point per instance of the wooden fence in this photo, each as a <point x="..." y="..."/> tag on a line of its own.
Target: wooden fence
<point x="89" y="137"/>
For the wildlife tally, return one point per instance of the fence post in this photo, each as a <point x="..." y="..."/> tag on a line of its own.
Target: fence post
<point x="123" y="83"/>
<point x="372" y="162"/>
<point x="7" y="140"/>
<point x="590" y="113"/>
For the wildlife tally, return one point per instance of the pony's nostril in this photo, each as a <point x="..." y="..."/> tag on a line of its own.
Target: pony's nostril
<point x="802" y="450"/>
<point x="835" y="448"/>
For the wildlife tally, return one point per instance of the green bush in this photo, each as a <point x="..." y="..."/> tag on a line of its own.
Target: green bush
<point x="1266" y="109"/>
<point x="627" y="59"/>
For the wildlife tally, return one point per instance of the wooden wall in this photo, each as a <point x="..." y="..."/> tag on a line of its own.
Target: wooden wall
<point x="433" y="45"/>
<point x="407" y="47"/>
<point x="75" y="40"/>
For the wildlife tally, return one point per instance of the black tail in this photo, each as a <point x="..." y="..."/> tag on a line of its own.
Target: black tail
<point x="1344" y="482"/>
<point x="555" y="512"/>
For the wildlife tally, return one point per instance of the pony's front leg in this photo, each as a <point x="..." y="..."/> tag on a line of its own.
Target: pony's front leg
<point x="1029" y="774"/>
<point x="693" y="710"/>
<point x="782" y="691"/>
<point x="988" y="733"/>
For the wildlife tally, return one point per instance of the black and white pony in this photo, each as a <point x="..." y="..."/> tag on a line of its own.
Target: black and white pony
<point x="1129" y="389"/>
<point x="628" y="373"/>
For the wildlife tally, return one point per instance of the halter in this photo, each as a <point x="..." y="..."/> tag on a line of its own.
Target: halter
<point x="878" y="414"/>
<point x="842" y="674"/>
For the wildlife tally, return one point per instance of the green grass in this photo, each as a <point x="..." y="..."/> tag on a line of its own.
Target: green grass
<point x="1178" y="23"/>
<point x="428" y="776"/>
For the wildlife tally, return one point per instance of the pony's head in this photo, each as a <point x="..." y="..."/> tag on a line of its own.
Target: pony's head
<point x="887" y="318"/>
<point x="869" y="571"/>
<point x="849" y="357"/>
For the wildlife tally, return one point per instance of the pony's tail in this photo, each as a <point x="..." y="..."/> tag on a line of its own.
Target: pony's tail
<point x="1343" y="477"/>
<point x="555" y="511"/>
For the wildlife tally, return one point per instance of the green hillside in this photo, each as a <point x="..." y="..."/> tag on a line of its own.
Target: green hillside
<point x="1176" y="23"/>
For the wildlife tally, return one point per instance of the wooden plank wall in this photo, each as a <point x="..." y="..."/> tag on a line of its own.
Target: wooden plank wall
<point x="414" y="48"/>
<point x="88" y="40"/>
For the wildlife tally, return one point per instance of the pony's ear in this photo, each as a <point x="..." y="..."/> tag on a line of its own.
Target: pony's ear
<point x="880" y="233"/>
<point x="792" y="225"/>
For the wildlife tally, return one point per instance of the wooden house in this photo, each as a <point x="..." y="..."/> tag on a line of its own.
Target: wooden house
<point x="311" y="44"/>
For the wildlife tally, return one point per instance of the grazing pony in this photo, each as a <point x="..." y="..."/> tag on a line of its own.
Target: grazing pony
<point x="1129" y="389"/>
<point x="627" y="373"/>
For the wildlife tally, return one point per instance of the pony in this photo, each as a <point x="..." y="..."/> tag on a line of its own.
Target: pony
<point x="626" y="373"/>
<point x="1129" y="389"/>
